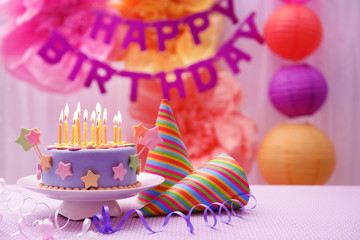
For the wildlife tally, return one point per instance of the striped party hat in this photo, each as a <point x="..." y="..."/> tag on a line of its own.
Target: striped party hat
<point x="219" y="180"/>
<point x="169" y="159"/>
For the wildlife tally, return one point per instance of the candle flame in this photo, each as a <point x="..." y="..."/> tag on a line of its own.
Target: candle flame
<point x="115" y="120"/>
<point x="98" y="109"/>
<point x="86" y="115"/>
<point x="78" y="109"/>
<point x="119" y="118"/>
<point x="66" y="111"/>
<point x="92" y="117"/>
<point x="61" y="116"/>
<point x="74" y="117"/>
<point x="105" y="116"/>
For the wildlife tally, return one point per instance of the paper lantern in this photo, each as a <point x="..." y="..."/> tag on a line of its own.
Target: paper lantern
<point x="296" y="154"/>
<point x="296" y="1"/>
<point x="298" y="90"/>
<point x="293" y="31"/>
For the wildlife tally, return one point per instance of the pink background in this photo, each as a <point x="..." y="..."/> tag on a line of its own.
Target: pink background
<point x="338" y="58"/>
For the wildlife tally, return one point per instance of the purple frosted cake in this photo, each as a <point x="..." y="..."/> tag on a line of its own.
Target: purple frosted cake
<point x="82" y="169"/>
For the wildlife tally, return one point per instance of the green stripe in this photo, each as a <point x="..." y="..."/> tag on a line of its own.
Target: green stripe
<point x="163" y="172"/>
<point x="231" y="176"/>
<point x="166" y="114"/>
<point x="178" y="148"/>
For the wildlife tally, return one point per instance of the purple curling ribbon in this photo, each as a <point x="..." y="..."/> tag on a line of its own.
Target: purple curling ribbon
<point x="106" y="227"/>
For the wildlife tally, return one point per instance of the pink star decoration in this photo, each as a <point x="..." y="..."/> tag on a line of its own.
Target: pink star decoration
<point x="151" y="138"/>
<point x="64" y="170"/>
<point x="119" y="172"/>
<point x="33" y="137"/>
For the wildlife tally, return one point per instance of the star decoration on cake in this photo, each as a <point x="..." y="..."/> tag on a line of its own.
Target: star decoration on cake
<point x="140" y="130"/>
<point x="64" y="170"/>
<point x="90" y="179"/>
<point x="22" y="140"/>
<point x="151" y="138"/>
<point x="119" y="172"/>
<point x="46" y="162"/>
<point x="33" y="137"/>
<point x="134" y="162"/>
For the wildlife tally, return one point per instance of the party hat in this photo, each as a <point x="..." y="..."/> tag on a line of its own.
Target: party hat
<point x="219" y="180"/>
<point x="169" y="159"/>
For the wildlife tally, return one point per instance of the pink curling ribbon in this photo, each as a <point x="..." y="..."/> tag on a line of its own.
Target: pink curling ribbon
<point x="106" y="227"/>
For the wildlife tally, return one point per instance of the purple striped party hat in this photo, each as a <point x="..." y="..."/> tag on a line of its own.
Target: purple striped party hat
<point x="169" y="159"/>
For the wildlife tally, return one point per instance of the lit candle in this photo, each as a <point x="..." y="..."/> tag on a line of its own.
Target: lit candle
<point x="98" y="113"/>
<point x="93" y="127"/>
<point x="85" y="126"/>
<point x="119" y="118"/>
<point x="73" y="130"/>
<point x="66" y="114"/>
<point x="60" y="126"/>
<point x="97" y="131"/>
<point x="78" y="128"/>
<point x="104" y="127"/>
<point x="115" y="128"/>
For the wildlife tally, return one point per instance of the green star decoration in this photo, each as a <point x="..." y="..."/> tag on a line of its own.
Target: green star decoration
<point x="133" y="162"/>
<point x="22" y="140"/>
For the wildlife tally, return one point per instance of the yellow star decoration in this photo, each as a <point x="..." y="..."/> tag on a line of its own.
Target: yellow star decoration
<point x="45" y="162"/>
<point x="90" y="179"/>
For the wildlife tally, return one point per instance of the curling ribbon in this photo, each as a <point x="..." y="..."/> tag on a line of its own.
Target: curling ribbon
<point x="106" y="228"/>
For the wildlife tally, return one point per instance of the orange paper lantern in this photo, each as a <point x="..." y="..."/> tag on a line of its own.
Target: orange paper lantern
<point x="296" y="154"/>
<point x="293" y="31"/>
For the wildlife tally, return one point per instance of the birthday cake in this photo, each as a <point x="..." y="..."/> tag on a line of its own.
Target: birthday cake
<point x="95" y="164"/>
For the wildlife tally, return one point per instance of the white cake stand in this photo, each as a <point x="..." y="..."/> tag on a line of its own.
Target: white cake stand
<point x="79" y="204"/>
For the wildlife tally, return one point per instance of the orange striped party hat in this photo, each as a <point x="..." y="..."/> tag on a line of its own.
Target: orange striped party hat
<point x="169" y="159"/>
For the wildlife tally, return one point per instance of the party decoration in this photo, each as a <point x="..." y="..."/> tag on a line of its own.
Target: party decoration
<point x="136" y="26"/>
<point x="64" y="170"/>
<point x="293" y="32"/>
<point x="90" y="179"/>
<point x="46" y="162"/>
<point x="134" y="162"/>
<point x="33" y="137"/>
<point x="298" y="90"/>
<point x="169" y="159"/>
<point x="296" y="1"/>
<point x="57" y="46"/>
<point x="21" y="140"/>
<point x="47" y="229"/>
<point x="119" y="172"/>
<point x="140" y="130"/>
<point x="151" y="138"/>
<point x="218" y="180"/>
<point x="296" y="154"/>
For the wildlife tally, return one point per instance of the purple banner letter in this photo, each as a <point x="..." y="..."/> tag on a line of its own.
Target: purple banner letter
<point x="163" y="35"/>
<point x="135" y="77"/>
<point x="227" y="11"/>
<point x="233" y="56"/>
<point x="194" y="27"/>
<point x="210" y="68"/>
<point x="109" y="27"/>
<point x="176" y="83"/>
<point x="136" y="33"/>
<point x="81" y="57"/>
<point x="55" y="48"/>
<point x="101" y="78"/>
<point x="252" y="33"/>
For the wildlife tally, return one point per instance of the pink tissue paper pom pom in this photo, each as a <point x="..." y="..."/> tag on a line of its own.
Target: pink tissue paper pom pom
<point x="28" y="26"/>
<point x="210" y="122"/>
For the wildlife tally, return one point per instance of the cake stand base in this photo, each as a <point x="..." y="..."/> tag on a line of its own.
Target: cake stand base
<point x="81" y="210"/>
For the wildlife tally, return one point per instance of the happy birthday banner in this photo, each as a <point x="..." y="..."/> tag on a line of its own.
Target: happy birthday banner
<point x="57" y="46"/>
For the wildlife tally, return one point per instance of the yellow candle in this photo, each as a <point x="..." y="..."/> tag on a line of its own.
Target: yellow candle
<point x="66" y="131"/>
<point x="60" y="127"/>
<point x="98" y="133"/>
<point x="85" y="126"/>
<point x="73" y="131"/>
<point x="115" y="129"/>
<point x="98" y="113"/>
<point x="104" y="127"/>
<point x="93" y="127"/>
<point x="119" y="118"/>
<point x="78" y="129"/>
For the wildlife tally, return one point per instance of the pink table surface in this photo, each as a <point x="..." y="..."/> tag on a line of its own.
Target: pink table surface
<point x="282" y="212"/>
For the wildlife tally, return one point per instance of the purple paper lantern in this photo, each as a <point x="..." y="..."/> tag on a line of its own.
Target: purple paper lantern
<point x="298" y="90"/>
